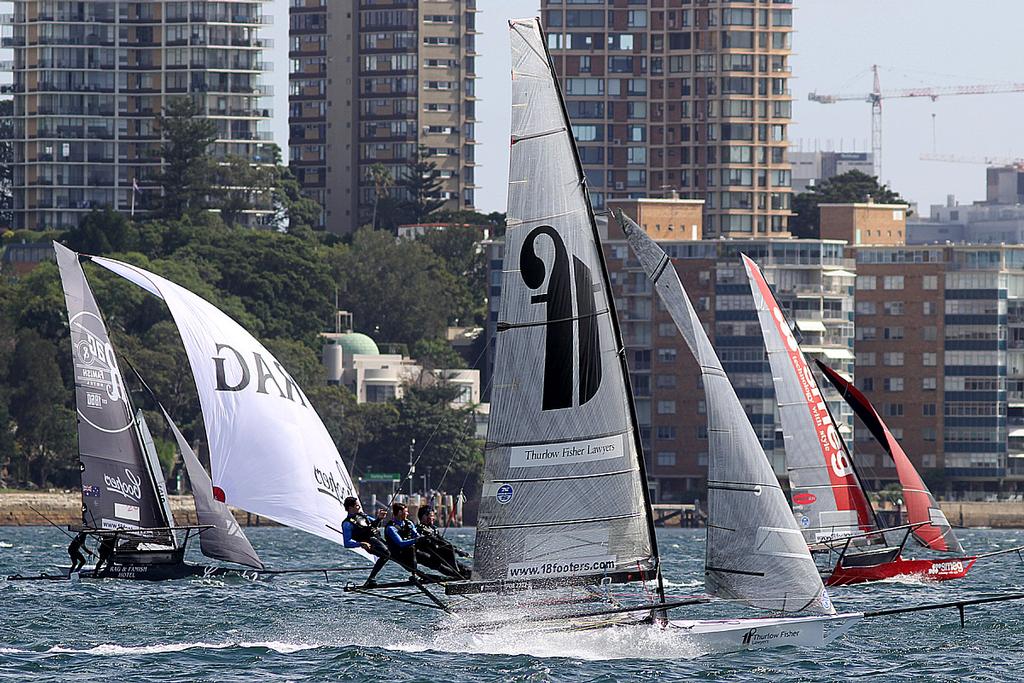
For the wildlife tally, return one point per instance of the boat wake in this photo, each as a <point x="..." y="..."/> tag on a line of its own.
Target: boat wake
<point x="114" y="650"/>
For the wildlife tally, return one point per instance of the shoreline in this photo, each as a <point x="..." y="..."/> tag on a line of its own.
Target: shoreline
<point x="32" y="508"/>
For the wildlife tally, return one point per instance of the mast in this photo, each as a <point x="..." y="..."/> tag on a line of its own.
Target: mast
<point x="638" y="443"/>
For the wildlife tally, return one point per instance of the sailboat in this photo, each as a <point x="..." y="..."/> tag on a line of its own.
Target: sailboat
<point x="124" y="498"/>
<point x="829" y="499"/>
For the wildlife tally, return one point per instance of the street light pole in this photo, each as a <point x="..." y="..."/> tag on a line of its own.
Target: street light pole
<point x="412" y="464"/>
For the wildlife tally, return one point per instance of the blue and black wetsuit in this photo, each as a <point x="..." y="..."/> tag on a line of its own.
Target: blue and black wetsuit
<point x="401" y="538"/>
<point x="438" y="553"/>
<point x="359" y="528"/>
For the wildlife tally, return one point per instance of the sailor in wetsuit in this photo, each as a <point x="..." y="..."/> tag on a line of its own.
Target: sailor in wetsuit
<point x="75" y="552"/>
<point x="434" y="550"/>
<point x="360" y="531"/>
<point x="106" y="552"/>
<point x="401" y="536"/>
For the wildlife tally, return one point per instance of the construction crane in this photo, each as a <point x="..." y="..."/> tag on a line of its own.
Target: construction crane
<point x="876" y="96"/>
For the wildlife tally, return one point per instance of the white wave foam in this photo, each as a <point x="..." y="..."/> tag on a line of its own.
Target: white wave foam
<point x="5" y="544"/>
<point x="111" y="649"/>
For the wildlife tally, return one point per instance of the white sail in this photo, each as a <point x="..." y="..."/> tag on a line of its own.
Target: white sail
<point x="755" y="552"/>
<point x="270" y="453"/>
<point x="563" y="496"/>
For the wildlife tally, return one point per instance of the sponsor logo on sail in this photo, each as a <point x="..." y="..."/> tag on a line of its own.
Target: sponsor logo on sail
<point x="504" y="493"/>
<point x="130" y="487"/>
<point x="330" y="485"/>
<point x="122" y="511"/>
<point x="554" y="568"/>
<point x="237" y="371"/>
<point x="570" y="319"/>
<point x="93" y="400"/>
<point x="96" y="369"/>
<point x="804" y="498"/>
<point x="568" y="452"/>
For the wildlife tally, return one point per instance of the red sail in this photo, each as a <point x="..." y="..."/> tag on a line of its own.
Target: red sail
<point x="921" y="505"/>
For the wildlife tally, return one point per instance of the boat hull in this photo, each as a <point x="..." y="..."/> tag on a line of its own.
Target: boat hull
<point x="734" y="635"/>
<point x="941" y="569"/>
<point x="150" y="572"/>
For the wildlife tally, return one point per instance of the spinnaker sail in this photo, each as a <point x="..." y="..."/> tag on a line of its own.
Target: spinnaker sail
<point x="828" y="497"/>
<point x="937" y="533"/>
<point x="270" y="453"/>
<point x="226" y="540"/>
<point x="755" y="551"/>
<point x="118" y="488"/>
<point x="564" y="493"/>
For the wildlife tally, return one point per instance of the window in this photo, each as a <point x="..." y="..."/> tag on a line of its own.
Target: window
<point x="892" y="282"/>
<point x="893" y="307"/>
<point x="929" y="360"/>
<point x="928" y="460"/>
<point x="930" y="282"/>
<point x="928" y="433"/>
<point x="867" y="359"/>
<point x="666" y="381"/>
<point x="894" y="384"/>
<point x="892" y="358"/>
<point x="666" y="459"/>
<point x="867" y="383"/>
<point x="866" y="282"/>
<point x="666" y="355"/>
<point x="866" y="308"/>
<point x="928" y="409"/>
<point x="892" y="409"/>
<point x="929" y="333"/>
<point x="928" y="308"/>
<point x="666" y="407"/>
<point x="928" y="383"/>
<point x="892" y="333"/>
<point x="866" y="333"/>
<point x="666" y="329"/>
<point x="665" y="432"/>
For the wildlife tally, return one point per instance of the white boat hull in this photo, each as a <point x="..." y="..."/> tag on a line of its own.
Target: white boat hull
<point x="732" y="635"/>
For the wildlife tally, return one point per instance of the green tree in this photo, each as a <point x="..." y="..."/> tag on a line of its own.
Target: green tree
<point x="242" y="185"/>
<point x="422" y="185"/>
<point x="382" y="183"/>
<point x="397" y="291"/>
<point x="852" y="186"/>
<point x="436" y="354"/>
<point x="45" y="433"/>
<point x="189" y="171"/>
<point x="464" y="258"/>
<point x="445" y="436"/>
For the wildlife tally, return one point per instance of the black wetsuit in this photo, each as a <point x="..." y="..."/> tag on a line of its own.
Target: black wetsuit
<point x="436" y="552"/>
<point x="401" y="538"/>
<point x="75" y="552"/>
<point x="359" y="528"/>
<point x="106" y="551"/>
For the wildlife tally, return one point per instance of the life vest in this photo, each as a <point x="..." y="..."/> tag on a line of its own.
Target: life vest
<point x="362" y="527"/>
<point x="405" y="529"/>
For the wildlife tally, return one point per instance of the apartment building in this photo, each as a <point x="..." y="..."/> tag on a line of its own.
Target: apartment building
<point x="672" y="95"/>
<point x="940" y="351"/>
<point x="371" y="83"/>
<point x="90" y="78"/>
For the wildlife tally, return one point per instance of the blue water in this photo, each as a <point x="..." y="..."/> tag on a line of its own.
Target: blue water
<point x="302" y="628"/>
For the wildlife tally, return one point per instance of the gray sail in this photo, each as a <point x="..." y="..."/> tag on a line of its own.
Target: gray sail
<point x="226" y="541"/>
<point x="153" y="466"/>
<point x="564" y="494"/>
<point x="828" y="498"/>
<point x="755" y="552"/>
<point x="117" y="486"/>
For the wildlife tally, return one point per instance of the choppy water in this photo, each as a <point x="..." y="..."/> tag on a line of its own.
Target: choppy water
<point x="301" y="628"/>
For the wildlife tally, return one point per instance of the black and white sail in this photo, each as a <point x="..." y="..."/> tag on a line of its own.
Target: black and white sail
<point x="755" y="551"/>
<point x="119" y="484"/>
<point x="564" y="494"/>
<point x="226" y="540"/>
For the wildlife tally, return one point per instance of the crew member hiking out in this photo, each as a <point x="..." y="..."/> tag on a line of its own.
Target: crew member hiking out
<point x="75" y="552"/>
<point x="361" y="531"/>
<point x="434" y="550"/>
<point x="402" y="537"/>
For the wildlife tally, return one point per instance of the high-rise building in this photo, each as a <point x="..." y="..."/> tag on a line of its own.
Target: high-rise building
<point x="811" y="168"/>
<point x="90" y="78"/>
<point x="372" y="82"/>
<point x="940" y="352"/>
<point x="687" y="96"/>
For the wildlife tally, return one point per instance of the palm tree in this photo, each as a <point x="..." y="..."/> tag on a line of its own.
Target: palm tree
<point x="382" y="182"/>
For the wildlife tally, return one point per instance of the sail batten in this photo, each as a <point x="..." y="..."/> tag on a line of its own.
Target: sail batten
<point x="564" y="494"/>
<point x="754" y="550"/>
<point x="827" y="495"/>
<point x="118" y="486"/>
